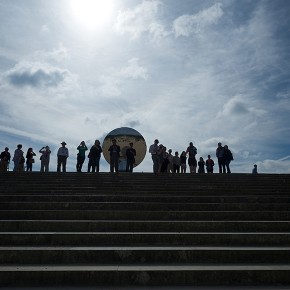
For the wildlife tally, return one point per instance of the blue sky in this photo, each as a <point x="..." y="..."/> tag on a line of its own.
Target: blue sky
<point x="180" y="71"/>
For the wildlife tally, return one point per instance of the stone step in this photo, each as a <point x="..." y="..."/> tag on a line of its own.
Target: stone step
<point x="142" y="255"/>
<point x="142" y="226"/>
<point x="145" y="198"/>
<point x="144" y="215"/>
<point x="165" y="239"/>
<point x="144" y="206"/>
<point x="150" y="275"/>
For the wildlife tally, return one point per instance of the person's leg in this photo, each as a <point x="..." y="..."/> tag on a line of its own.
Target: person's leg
<point x="58" y="164"/>
<point x="112" y="163"/>
<point x="98" y="164"/>
<point x="64" y="164"/>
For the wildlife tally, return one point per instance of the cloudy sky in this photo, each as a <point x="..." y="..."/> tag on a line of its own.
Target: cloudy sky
<point x="189" y="70"/>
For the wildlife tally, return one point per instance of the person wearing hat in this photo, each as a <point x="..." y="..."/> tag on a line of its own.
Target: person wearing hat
<point x="62" y="155"/>
<point x="130" y="153"/>
<point x="44" y="158"/>
<point x="114" y="156"/>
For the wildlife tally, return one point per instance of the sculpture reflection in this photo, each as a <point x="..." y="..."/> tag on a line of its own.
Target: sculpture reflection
<point x="124" y="136"/>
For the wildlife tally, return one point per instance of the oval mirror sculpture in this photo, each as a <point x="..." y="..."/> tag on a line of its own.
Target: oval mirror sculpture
<point x="124" y="136"/>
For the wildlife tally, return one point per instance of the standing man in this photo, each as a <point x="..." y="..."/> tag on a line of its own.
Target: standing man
<point x="130" y="153"/>
<point x="62" y="155"/>
<point x="191" y="151"/>
<point x="114" y="156"/>
<point x="220" y="157"/>
<point x="153" y="149"/>
<point x="81" y="156"/>
<point x="5" y="160"/>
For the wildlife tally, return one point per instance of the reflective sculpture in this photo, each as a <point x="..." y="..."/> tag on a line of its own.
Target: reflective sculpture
<point x="124" y="136"/>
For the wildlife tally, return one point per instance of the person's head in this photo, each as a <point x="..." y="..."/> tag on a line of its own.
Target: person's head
<point x="208" y="156"/>
<point x="176" y="153"/>
<point x="19" y="146"/>
<point x="190" y="144"/>
<point x="114" y="141"/>
<point x="47" y="147"/>
<point x="97" y="142"/>
<point x="226" y="147"/>
<point x="156" y="141"/>
<point x="30" y="149"/>
<point x="255" y="165"/>
<point x="200" y="159"/>
<point x="131" y="144"/>
<point x="183" y="153"/>
<point x="219" y="144"/>
<point x="83" y="143"/>
<point x="169" y="151"/>
<point x="63" y="143"/>
<point x="6" y="149"/>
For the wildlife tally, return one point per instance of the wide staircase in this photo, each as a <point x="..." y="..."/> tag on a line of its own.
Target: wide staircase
<point x="87" y="229"/>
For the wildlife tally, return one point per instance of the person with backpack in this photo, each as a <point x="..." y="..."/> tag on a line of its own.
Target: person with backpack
<point x="191" y="151"/>
<point x="228" y="157"/>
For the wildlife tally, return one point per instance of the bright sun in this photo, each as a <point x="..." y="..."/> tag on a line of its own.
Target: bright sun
<point x="92" y="13"/>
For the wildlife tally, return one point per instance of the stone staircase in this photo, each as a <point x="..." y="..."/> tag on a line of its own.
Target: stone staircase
<point x="85" y="229"/>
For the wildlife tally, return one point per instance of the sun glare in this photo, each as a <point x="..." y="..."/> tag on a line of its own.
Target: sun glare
<point x="92" y="13"/>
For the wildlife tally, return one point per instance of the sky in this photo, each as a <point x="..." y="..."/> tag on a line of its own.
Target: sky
<point x="183" y="71"/>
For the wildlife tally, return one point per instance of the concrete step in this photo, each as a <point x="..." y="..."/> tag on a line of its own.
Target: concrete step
<point x="109" y="197"/>
<point x="150" y="275"/>
<point x="143" y="239"/>
<point x="144" y="215"/>
<point x="144" y="206"/>
<point x="142" y="225"/>
<point x="142" y="255"/>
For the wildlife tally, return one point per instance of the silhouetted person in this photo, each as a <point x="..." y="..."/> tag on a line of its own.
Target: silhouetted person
<point x="62" y="155"/>
<point x="82" y="148"/>
<point x="220" y="157"/>
<point x="201" y="165"/>
<point x="114" y="156"/>
<point x="255" y="169"/>
<point x="94" y="157"/>
<point x="209" y="163"/>
<point x="29" y="159"/>
<point x="130" y="153"/>
<point x="18" y="159"/>
<point x="5" y="160"/>
<point x="228" y="157"/>
<point x="44" y="158"/>
<point x="176" y="163"/>
<point x="191" y="151"/>
<point x="153" y="149"/>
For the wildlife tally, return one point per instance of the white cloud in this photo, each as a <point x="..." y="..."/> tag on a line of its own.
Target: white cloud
<point x="186" y="25"/>
<point x="143" y="18"/>
<point x="134" y="70"/>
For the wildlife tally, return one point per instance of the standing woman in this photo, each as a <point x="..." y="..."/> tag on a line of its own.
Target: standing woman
<point x="45" y="157"/>
<point x="82" y="148"/>
<point x="29" y="159"/>
<point x="94" y="157"/>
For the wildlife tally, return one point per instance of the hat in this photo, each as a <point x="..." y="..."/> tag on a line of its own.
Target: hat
<point x="63" y="143"/>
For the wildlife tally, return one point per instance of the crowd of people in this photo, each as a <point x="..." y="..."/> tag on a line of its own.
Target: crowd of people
<point x="163" y="160"/>
<point x="22" y="163"/>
